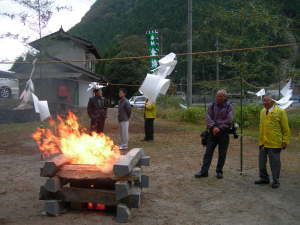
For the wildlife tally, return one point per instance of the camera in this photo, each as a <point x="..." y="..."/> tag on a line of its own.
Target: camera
<point x="233" y="130"/>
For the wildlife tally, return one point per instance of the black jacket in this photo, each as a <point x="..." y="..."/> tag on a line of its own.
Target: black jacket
<point x="124" y="110"/>
<point x="97" y="108"/>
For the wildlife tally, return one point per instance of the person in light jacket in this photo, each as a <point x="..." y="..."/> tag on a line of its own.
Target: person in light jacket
<point x="149" y="117"/>
<point x="123" y="118"/>
<point x="274" y="136"/>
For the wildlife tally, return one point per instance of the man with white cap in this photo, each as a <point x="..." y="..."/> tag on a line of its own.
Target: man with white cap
<point x="274" y="135"/>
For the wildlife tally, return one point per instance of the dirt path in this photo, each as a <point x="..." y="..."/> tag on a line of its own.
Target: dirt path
<point x="174" y="196"/>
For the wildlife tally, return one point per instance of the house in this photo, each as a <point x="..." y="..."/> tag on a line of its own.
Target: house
<point x="62" y="80"/>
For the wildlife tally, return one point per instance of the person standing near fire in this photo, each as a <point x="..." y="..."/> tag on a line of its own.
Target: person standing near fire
<point x="274" y="135"/>
<point x="149" y="117"/>
<point x="123" y="118"/>
<point x="64" y="97"/>
<point x="219" y="119"/>
<point x="97" y="111"/>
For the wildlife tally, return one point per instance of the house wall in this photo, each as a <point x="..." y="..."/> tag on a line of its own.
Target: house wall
<point x="83" y="94"/>
<point x="67" y="50"/>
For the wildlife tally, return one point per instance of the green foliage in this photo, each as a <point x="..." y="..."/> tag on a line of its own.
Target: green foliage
<point x="251" y="115"/>
<point x="294" y="121"/>
<point x="193" y="114"/>
<point x="166" y="101"/>
<point x="234" y="23"/>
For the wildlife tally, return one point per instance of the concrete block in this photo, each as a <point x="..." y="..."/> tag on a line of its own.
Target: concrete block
<point x="144" y="161"/>
<point x="125" y="165"/>
<point x="53" y="184"/>
<point x="53" y="207"/>
<point x="145" y="181"/>
<point x="135" y="197"/>
<point x="122" y="189"/>
<point x="123" y="213"/>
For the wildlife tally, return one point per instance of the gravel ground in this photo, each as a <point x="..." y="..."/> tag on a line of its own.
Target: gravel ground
<point x="174" y="196"/>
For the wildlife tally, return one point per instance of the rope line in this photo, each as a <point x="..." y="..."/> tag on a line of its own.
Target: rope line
<point x="148" y="57"/>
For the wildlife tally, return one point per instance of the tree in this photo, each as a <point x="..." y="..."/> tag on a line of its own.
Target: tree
<point x="34" y="14"/>
<point x="131" y="72"/>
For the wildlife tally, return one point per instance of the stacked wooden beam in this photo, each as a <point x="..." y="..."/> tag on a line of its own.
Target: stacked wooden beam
<point x="69" y="183"/>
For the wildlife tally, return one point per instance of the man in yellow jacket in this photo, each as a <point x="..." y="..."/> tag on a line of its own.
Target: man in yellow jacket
<point x="149" y="116"/>
<point x="274" y="135"/>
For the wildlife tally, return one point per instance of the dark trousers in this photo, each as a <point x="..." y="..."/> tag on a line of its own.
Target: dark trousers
<point x="97" y="125"/>
<point x="149" y="129"/>
<point x="222" y="140"/>
<point x="274" y="158"/>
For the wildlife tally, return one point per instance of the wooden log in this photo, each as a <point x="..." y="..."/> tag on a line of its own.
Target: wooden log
<point x="72" y="194"/>
<point x="53" y="207"/>
<point x="105" y="183"/>
<point x="72" y="172"/>
<point x="125" y="165"/>
<point x="76" y="205"/>
<point x="53" y="184"/>
<point x="51" y="167"/>
<point x="122" y="189"/>
<point x="82" y="172"/>
<point x="123" y="213"/>
<point x="144" y="161"/>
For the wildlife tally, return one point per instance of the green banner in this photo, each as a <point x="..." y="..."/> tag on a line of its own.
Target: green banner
<point x="153" y="48"/>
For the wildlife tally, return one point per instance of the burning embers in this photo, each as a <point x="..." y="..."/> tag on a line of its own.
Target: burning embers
<point x="75" y="143"/>
<point x="88" y="172"/>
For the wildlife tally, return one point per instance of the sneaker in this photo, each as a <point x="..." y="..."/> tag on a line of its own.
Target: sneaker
<point x="261" y="181"/>
<point x="200" y="175"/>
<point x="275" y="185"/>
<point x="122" y="147"/>
<point x="219" y="175"/>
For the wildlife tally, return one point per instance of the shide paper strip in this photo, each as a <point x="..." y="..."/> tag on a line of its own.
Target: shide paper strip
<point x="155" y="84"/>
<point x="287" y="93"/>
<point x="41" y="107"/>
<point x="95" y="86"/>
<point x="43" y="110"/>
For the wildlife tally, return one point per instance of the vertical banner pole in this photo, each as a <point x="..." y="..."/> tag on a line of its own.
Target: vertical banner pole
<point x="190" y="57"/>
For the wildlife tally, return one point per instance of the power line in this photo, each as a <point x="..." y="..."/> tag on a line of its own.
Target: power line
<point x="147" y="57"/>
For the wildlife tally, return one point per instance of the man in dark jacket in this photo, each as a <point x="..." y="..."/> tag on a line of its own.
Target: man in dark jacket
<point x="97" y="110"/>
<point x="123" y="117"/>
<point x="218" y="119"/>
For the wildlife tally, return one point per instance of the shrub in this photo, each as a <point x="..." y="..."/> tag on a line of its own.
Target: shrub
<point x="169" y="114"/>
<point x="193" y="114"/>
<point x="294" y="121"/>
<point x="251" y="115"/>
<point x="169" y="101"/>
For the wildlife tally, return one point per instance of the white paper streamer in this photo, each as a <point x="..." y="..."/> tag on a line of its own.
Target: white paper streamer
<point x="287" y="93"/>
<point x="43" y="110"/>
<point x="95" y="86"/>
<point x="155" y="84"/>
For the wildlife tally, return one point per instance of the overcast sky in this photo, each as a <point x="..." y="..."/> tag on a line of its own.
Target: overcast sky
<point x="10" y="49"/>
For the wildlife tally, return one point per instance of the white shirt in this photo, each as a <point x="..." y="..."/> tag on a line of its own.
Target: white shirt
<point x="271" y="109"/>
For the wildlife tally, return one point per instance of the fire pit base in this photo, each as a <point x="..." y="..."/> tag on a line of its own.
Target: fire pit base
<point x="72" y="185"/>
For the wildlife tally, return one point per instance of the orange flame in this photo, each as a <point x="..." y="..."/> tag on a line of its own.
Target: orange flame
<point x="68" y="138"/>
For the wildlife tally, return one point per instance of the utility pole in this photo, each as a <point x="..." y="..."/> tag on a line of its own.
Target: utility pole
<point x="217" y="65"/>
<point x="190" y="57"/>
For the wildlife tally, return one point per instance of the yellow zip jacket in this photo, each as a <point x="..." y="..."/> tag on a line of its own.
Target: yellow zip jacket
<point x="273" y="128"/>
<point x="150" y="111"/>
